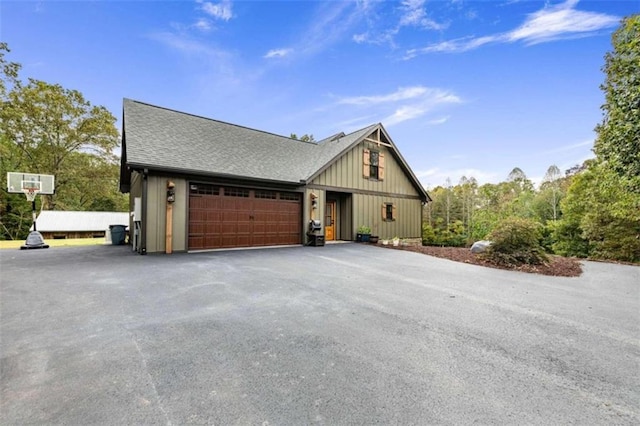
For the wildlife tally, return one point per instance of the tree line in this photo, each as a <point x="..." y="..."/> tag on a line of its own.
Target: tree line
<point x="591" y="210"/>
<point x="47" y="129"/>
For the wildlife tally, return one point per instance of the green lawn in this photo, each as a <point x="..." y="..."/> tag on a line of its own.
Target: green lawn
<point x="72" y="242"/>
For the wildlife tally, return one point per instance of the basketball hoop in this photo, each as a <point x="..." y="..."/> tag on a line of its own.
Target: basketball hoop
<point x="30" y="193"/>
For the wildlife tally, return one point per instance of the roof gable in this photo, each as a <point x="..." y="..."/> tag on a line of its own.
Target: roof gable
<point x="373" y="134"/>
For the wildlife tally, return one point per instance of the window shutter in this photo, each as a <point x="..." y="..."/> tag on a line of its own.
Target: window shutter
<point x="384" y="212"/>
<point x="393" y="214"/>
<point x="381" y="166"/>
<point x="366" y="163"/>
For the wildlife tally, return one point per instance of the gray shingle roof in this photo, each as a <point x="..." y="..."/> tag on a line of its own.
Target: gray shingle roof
<point x="165" y="139"/>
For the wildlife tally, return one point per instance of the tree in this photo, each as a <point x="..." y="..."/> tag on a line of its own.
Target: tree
<point x="551" y="186"/>
<point x="467" y="189"/>
<point x="45" y="128"/>
<point x="519" y="180"/>
<point x="8" y="71"/>
<point x="601" y="218"/>
<point x="304" y="138"/>
<point x="618" y="140"/>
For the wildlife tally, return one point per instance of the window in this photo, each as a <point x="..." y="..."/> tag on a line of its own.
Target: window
<point x="203" y="189"/>
<point x="388" y="212"/>
<point x="374" y="158"/>
<point x="290" y="196"/>
<point x="267" y="195"/>
<point x="236" y="192"/>
<point x="373" y="164"/>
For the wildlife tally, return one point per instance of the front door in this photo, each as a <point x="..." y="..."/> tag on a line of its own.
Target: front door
<point x="330" y="221"/>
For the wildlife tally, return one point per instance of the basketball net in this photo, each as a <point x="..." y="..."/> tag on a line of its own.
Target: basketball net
<point x="30" y="193"/>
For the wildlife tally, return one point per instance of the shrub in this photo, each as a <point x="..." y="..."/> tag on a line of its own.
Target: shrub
<point x="516" y="242"/>
<point x="364" y="229"/>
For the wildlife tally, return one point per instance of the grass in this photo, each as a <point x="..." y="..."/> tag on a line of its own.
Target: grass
<point x="71" y="242"/>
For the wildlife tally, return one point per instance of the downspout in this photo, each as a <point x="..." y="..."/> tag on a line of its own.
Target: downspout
<point x="143" y="230"/>
<point x="422" y="204"/>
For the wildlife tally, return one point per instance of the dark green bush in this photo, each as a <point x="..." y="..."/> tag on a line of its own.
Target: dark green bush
<point x="516" y="242"/>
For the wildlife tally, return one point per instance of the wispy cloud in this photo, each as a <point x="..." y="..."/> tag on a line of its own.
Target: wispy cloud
<point x="185" y="44"/>
<point x="278" y="53"/>
<point x="560" y="22"/>
<point x="401" y="94"/>
<point x="437" y="121"/>
<point x="406" y="103"/>
<point x="203" y="25"/>
<point x="214" y="59"/>
<point x="331" y="23"/>
<point x="221" y="10"/>
<point x="551" y="23"/>
<point x="570" y="147"/>
<point x="413" y="13"/>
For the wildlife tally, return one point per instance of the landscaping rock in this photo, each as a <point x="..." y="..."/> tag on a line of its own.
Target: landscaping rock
<point x="480" y="246"/>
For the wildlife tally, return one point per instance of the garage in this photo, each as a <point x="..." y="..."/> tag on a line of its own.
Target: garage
<point x="228" y="216"/>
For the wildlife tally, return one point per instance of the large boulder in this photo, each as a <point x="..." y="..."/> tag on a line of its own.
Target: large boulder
<point x="480" y="246"/>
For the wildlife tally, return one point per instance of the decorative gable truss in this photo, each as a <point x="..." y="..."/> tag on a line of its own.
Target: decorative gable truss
<point x="373" y="160"/>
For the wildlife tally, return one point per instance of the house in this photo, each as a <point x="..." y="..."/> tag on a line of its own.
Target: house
<point x="224" y="185"/>
<point x="57" y="224"/>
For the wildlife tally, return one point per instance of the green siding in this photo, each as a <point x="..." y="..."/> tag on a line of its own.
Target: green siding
<point x="368" y="211"/>
<point x="157" y="213"/>
<point x="364" y="207"/>
<point x="346" y="172"/>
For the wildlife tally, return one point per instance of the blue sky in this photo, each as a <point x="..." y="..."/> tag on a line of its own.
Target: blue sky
<point x="471" y="88"/>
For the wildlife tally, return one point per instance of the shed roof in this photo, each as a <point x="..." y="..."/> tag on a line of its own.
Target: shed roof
<point x="72" y="221"/>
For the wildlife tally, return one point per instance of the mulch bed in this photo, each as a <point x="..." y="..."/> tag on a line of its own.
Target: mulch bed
<point x="557" y="266"/>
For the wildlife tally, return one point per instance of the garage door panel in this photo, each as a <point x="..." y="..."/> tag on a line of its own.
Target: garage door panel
<point x="244" y="227"/>
<point x="197" y="228"/>
<point x="212" y="228"/>
<point x="196" y="242"/>
<point x="229" y="216"/>
<point x="213" y="202"/>
<point x="213" y="216"/>
<point x="258" y="239"/>
<point x="238" y="217"/>
<point x="212" y="240"/>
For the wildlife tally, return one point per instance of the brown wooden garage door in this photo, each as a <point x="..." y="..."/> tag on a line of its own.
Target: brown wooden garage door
<point x="224" y="216"/>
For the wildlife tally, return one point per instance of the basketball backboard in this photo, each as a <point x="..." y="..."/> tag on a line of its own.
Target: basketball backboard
<point x="18" y="182"/>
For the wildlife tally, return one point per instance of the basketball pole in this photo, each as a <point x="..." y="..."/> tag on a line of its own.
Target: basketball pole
<point x="33" y="213"/>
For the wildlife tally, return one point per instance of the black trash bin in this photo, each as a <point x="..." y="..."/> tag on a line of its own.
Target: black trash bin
<point x="117" y="234"/>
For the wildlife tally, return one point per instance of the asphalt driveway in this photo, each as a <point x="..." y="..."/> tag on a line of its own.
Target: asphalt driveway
<point x="341" y="334"/>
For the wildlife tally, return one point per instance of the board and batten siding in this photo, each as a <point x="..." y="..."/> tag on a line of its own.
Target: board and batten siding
<point x="157" y="212"/>
<point x="367" y="210"/>
<point x="370" y="195"/>
<point x="347" y="172"/>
